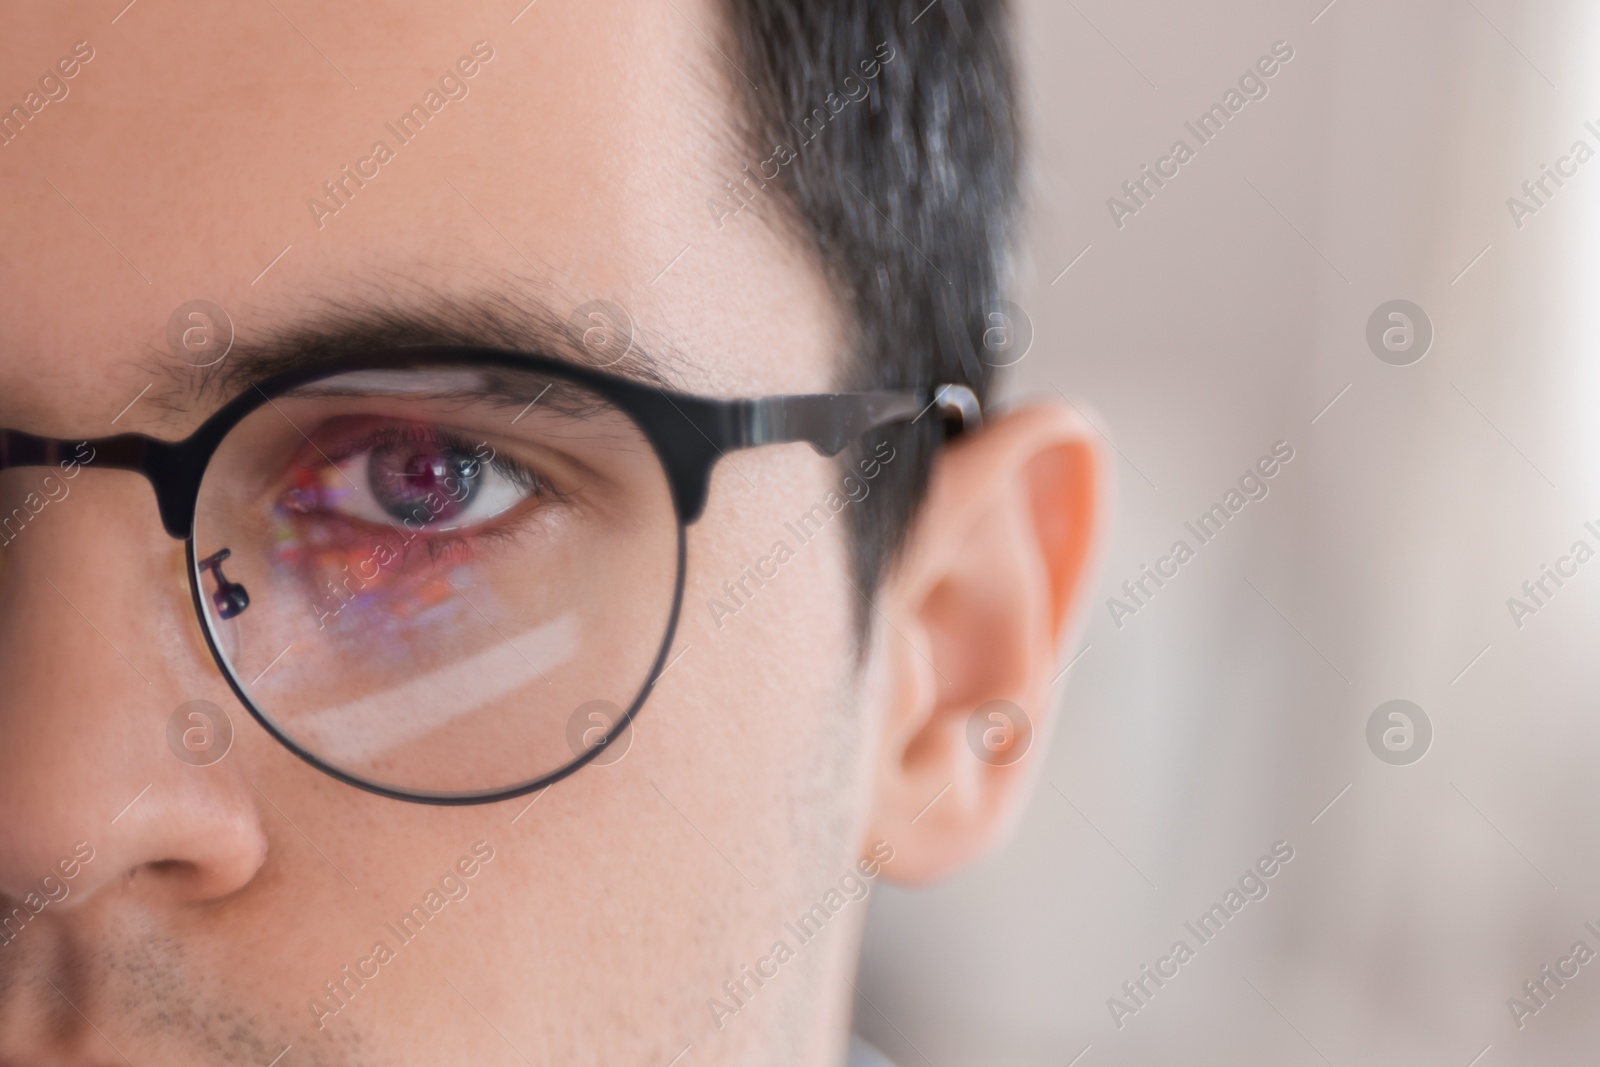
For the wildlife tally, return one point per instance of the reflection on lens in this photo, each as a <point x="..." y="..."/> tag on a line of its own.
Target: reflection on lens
<point x="439" y="570"/>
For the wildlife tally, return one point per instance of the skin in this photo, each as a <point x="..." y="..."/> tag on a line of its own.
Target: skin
<point x="766" y="763"/>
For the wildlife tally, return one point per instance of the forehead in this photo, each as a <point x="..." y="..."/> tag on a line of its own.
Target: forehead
<point x="286" y="158"/>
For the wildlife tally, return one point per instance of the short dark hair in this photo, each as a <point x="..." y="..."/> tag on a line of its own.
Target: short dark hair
<point x="908" y="195"/>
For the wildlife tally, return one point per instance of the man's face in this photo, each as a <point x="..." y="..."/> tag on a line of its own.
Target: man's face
<point x="179" y="162"/>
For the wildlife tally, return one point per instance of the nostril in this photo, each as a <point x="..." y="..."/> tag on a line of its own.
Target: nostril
<point x="180" y="873"/>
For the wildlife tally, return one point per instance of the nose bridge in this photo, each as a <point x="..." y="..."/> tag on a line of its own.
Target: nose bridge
<point x="172" y="469"/>
<point x="98" y="646"/>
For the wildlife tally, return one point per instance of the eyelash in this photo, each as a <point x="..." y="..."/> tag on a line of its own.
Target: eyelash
<point x="459" y="542"/>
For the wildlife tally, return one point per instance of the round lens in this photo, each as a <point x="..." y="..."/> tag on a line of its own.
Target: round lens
<point x="420" y="576"/>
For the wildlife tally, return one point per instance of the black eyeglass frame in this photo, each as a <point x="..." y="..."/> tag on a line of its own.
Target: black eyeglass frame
<point x="689" y="434"/>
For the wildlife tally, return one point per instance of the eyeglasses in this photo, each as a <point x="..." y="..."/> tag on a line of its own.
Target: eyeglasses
<point x="430" y="571"/>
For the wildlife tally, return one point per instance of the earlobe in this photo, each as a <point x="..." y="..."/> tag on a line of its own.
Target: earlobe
<point x="994" y="572"/>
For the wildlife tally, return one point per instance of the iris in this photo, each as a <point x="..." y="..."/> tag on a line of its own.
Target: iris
<point x="423" y="482"/>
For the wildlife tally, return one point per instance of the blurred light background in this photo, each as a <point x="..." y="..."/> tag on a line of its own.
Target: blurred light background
<point x="1228" y="712"/>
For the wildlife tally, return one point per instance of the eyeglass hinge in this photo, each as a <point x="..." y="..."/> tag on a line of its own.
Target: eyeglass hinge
<point x="958" y="405"/>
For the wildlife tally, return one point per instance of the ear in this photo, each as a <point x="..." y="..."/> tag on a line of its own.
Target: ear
<point x="978" y="608"/>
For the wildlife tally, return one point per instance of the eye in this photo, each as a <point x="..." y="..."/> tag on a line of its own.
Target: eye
<point x="417" y="476"/>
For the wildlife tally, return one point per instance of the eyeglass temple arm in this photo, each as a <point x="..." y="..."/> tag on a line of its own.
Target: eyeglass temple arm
<point x="830" y="421"/>
<point x="827" y="422"/>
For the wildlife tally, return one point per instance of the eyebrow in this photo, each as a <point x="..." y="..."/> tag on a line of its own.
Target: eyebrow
<point x="483" y="319"/>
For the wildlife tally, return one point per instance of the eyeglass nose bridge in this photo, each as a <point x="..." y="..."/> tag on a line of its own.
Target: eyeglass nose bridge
<point x="173" y="469"/>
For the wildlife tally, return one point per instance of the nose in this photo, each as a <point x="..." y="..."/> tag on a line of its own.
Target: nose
<point x="97" y="648"/>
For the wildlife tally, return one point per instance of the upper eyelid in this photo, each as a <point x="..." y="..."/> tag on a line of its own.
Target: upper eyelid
<point x="386" y="435"/>
<point x="549" y="477"/>
<point x="529" y="479"/>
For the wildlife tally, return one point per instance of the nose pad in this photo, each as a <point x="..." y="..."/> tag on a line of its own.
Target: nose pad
<point x="229" y="598"/>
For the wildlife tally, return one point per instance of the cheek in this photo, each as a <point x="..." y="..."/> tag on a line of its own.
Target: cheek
<point x="772" y="706"/>
<point x="742" y="773"/>
<point x="787" y="648"/>
<point x="741" y="753"/>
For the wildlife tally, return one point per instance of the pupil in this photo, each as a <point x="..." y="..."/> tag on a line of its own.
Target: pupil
<point x="423" y="484"/>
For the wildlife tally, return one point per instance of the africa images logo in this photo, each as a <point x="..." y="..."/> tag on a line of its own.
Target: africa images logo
<point x="1253" y="886"/>
<point x="453" y="886"/>
<point x="1253" y="486"/>
<point x="853" y="90"/>
<point x="52" y="89"/>
<point x="1252" y="85"/>
<point x="452" y="87"/>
